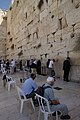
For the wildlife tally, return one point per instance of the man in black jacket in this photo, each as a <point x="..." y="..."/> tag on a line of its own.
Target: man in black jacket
<point x="66" y="68"/>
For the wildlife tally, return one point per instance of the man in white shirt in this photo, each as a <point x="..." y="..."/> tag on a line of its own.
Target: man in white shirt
<point x="51" y="63"/>
<point x="12" y="66"/>
<point x="34" y="64"/>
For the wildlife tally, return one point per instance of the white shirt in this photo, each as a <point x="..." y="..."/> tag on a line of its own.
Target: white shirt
<point x="51" y="64"/>
<point x="35" y="62"/>
<point x="12" y="63"/>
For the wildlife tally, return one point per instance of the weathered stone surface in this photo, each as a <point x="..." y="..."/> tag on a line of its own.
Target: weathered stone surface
<point x="3" y="34"/>
<point x="52" y="29"/>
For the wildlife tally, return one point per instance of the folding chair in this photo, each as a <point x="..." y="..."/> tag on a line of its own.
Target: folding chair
<point x="20" y="93"/>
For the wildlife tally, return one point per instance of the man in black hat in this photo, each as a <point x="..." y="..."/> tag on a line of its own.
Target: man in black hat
<point x="66" y="68"/>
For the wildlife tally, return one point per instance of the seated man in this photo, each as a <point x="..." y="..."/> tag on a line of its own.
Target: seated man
<point x="29" y="87"/>
<point x="54" y="102"/>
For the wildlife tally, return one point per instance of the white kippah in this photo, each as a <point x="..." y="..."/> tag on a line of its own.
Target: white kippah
<point x="49" y="79"/>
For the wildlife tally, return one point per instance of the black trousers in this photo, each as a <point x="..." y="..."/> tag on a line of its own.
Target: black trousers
<point x="31" y="95"/>
<point x="66" y="75"/>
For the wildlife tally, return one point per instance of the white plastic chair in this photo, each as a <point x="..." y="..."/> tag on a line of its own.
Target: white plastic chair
<point x="3" y="71"/>
<point x="20" y="92"/>
<point x="45" y="109"/>
<point x="11" y="82"/>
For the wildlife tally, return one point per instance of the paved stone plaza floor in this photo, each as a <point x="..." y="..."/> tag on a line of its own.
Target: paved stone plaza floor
<point x="10" y="106"/>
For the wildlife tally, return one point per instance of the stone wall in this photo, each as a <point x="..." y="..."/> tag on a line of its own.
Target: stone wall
<point x="44" y="29"/>
<point x="3" y="34"/>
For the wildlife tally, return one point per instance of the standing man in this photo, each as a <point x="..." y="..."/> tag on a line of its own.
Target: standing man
<point x="21" y="65"/>
<point x="12" y="66"/>
<point x="66" y="68"/>
<point x="33" y="67"/>
<point x="39" y="67"/>
<point x="50" y="67"/>
<point x="54" y="102"/>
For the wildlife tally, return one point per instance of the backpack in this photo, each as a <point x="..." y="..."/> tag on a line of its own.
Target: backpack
<point x="40" y="92"/>
<point x="41" y="89"/>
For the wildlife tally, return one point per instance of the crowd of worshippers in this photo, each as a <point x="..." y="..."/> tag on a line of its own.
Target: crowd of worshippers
<point x="33" y="65"/>
<point x="11" y="65"/>
<point x="8" y="65"/>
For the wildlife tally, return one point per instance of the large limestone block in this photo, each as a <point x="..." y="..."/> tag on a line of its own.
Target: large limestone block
<point x="53" y="6"/>
<point x="43" y="14"/>
<point x="67" y="30"/>
<point x="42" y="30"/>
<point x="36" y="19"/>
<point x="73" y="16"/>
<point x="77" y="26"/>
<point x="65" y="5"/>
<point x="58" y="33"/>
<point x="43" y="41"/>
<point x="49" y="2"/>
